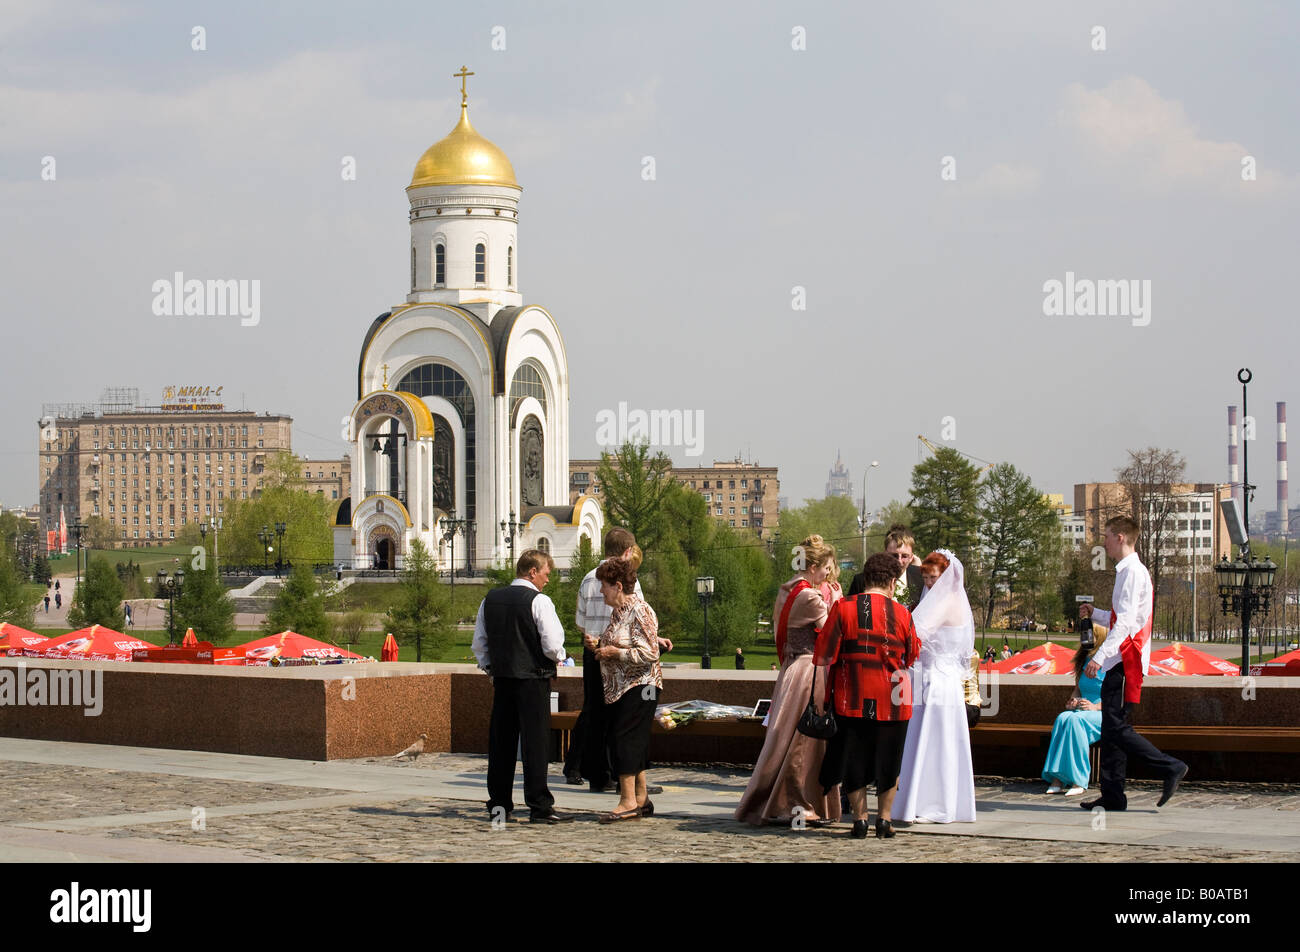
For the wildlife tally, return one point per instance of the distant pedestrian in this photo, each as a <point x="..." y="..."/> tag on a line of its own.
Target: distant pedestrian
<point x="56" y="586"/>
<point x="58" y="600"/>
<point x="47" y="604"/>
<point x="740" y="660"/>
<point x="1006" y="651"/>
<point x="130" y="619"/>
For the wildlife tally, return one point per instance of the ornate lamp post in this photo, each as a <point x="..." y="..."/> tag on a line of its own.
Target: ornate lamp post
<point x="704" y="589"/>
<point x="172" y="585"/>
<point x="264" y="536"/>
<point x="509" y="528"/>
<point x="280" y="529"/>
<point x="78" y="528"/>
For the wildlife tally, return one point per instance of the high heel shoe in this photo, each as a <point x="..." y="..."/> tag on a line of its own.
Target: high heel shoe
<point x="859" y="831"/>
<point x="884" y="829"/>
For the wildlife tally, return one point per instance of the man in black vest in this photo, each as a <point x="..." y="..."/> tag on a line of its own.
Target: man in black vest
<point x="518" y="639"/>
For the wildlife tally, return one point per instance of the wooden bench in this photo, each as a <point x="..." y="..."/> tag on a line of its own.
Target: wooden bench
<point x="564" y="722"/>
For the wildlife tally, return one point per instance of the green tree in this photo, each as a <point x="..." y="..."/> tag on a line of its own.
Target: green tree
<point x="893" y="513"/>
<point x="99" y="533"/>
<point x="204" y="605"/>
<point x="422" y="613"/>
<point x="299" y="607"/>
<point x="834" y="518"/>
<point x="1019" y="534"/>
<point x="633" y="485"/>
<point x="566" y="595"/>
<point x="944" y="504"/>
<point x="17" y="600"/>
<point x="98" y="599"/>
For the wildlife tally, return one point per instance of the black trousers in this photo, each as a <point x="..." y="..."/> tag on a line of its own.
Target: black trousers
<point x="521" y="718"/>
<point x="589" y="743"/>
<point x="1119" y="742"/>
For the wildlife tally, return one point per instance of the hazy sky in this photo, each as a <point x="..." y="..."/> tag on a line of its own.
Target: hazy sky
<point x="776" y="168"/>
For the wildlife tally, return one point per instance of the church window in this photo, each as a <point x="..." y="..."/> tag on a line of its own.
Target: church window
<point x="510" y="267"/>
<point x="439" y="380"/>
<point x="544" y="545"/>
<point x="439" y="265"/>
<point x="480" y="263"/>
<point x="526" y="383"/>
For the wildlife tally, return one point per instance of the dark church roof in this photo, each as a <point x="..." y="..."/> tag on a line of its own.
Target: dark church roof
<point x="563" y="515"/>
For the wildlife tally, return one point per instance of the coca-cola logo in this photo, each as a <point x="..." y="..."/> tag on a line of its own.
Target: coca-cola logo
<point x="320" y="653"/>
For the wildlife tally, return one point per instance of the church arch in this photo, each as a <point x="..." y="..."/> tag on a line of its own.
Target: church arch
<point x="527" y="382"/>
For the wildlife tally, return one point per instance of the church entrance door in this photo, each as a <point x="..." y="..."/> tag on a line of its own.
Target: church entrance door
<point x="384" y="554"/>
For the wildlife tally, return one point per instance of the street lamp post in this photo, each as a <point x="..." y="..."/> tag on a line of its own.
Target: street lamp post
<point x="863" y="518"/>
<point x="78" y="528"/>
<point x="280" y="529"/>
<point x="264" y="536"/>
<point x="509" y="528"/>
<point x="172" y="585"/>
<point x="215" y="525"/>
<point x="704" y="588"/>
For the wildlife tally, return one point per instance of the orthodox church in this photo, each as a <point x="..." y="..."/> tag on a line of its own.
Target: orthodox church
<point x="460" y="433"/>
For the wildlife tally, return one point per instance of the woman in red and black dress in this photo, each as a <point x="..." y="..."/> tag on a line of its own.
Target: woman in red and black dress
<point x="869" y="643"/>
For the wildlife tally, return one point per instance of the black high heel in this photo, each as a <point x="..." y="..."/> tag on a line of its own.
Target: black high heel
<point x="648" y="808"/>
<point x="884" y="829"/>
<point x="859" y="831"/>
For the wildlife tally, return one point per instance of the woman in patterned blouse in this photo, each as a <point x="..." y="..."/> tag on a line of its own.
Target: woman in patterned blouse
<point x="628" y="652"/>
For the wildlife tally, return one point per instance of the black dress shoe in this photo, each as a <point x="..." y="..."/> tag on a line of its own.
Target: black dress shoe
<point x="648" y="808"/>
<point x="884" y="830"/>
<point x="653" y="790"/>
<point x="1099" y="802"/>
<point x="859" y="831"/>
<point x="573" y="778"/>
<point x="550" y="819"/>
<point x="1171" y="785"/>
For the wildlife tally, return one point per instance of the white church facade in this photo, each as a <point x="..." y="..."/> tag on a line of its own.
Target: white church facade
<point x="460" y="432"/>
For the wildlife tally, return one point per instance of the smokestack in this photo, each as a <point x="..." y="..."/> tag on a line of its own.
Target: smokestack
<point x="1234" y="473"/>
<point x="1282" y="500"/>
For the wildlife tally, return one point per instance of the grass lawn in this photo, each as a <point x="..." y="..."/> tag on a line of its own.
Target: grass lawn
<point x="149" y="560"/>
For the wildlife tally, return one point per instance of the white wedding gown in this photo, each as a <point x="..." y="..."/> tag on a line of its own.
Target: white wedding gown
<point x="937" y="780"/>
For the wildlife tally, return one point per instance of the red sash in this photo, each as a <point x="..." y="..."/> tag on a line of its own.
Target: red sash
<point x="1130" y="653"/>
<point x="783" y="622"/>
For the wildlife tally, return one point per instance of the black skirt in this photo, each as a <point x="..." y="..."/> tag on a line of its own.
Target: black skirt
<point x="862" y="751"/>
<point x="630" y="719"/>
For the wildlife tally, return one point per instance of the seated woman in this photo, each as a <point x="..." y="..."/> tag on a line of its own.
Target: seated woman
<point x="1076" y="729"/>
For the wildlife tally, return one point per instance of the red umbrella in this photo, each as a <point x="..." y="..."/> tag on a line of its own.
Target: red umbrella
<point x="1178" y="658"/>
<point x="1285" y="664"/>
<point x="1047" y="658"/>
<point x="96" y="643"/>
<point x="13" y="638"/>
<point x="189" y="641"/>
<point x="389" y="651"/>
<point x="290" y="644"/>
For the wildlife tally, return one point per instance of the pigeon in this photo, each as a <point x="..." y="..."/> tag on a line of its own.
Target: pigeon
<point x="414" y="751"/>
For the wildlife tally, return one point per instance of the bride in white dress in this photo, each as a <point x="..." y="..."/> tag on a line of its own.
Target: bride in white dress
<point x="937" y="781"/>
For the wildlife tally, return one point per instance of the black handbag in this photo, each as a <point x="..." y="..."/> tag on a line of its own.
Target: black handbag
<point x="812" y="724"/>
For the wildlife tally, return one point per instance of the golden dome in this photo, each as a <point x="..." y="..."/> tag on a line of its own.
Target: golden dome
<point x="463" y="158"/>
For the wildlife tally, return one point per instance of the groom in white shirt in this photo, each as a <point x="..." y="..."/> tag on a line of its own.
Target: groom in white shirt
<point x="1124" y="657"/>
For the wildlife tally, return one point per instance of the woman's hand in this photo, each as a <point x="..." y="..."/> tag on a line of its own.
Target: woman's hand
<point x="591" y="642"/>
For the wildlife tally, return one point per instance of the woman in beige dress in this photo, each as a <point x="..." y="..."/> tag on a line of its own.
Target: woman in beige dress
<point x="784" y="785"/>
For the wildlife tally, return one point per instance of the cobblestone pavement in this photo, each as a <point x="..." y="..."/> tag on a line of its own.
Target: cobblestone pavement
<point x="453" y="830"/>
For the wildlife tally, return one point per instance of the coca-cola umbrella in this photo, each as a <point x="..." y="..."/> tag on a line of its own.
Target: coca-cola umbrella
<point x="1047" y="658"/>
<point x="290" y="644"/>
<point x="1178" y="658"/>
<point x="13" y="638"/>
<point x="190" y="640"/>
<point x="389" y="651"/>
<point x="96" y="643"/>
<point x="1285" y="664"/>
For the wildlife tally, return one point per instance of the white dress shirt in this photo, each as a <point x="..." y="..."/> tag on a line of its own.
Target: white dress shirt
<point x="1130" y="608"/>
<point x="544" y="616"/>
<point x="593" y="614"/>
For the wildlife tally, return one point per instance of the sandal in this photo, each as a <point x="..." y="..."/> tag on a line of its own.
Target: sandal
<point x="648" y="808"/>
<point x="633" y="814"/>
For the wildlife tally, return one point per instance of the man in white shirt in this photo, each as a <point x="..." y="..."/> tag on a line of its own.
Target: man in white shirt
<point x="1124" y="658"/>
<point x="518" y="639"/>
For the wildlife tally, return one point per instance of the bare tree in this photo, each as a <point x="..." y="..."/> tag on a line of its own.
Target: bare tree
<point x="1149" y="480"/>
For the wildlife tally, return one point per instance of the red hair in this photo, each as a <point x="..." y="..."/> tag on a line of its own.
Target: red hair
<point x="936" y="560"/>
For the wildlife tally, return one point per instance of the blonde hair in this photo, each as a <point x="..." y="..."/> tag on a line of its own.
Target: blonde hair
<point x="633" y="556"/>
<point x="817" y="550"/>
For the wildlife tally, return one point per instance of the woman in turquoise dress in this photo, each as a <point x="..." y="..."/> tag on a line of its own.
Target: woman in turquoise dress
<point x="1076" y="729"/>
